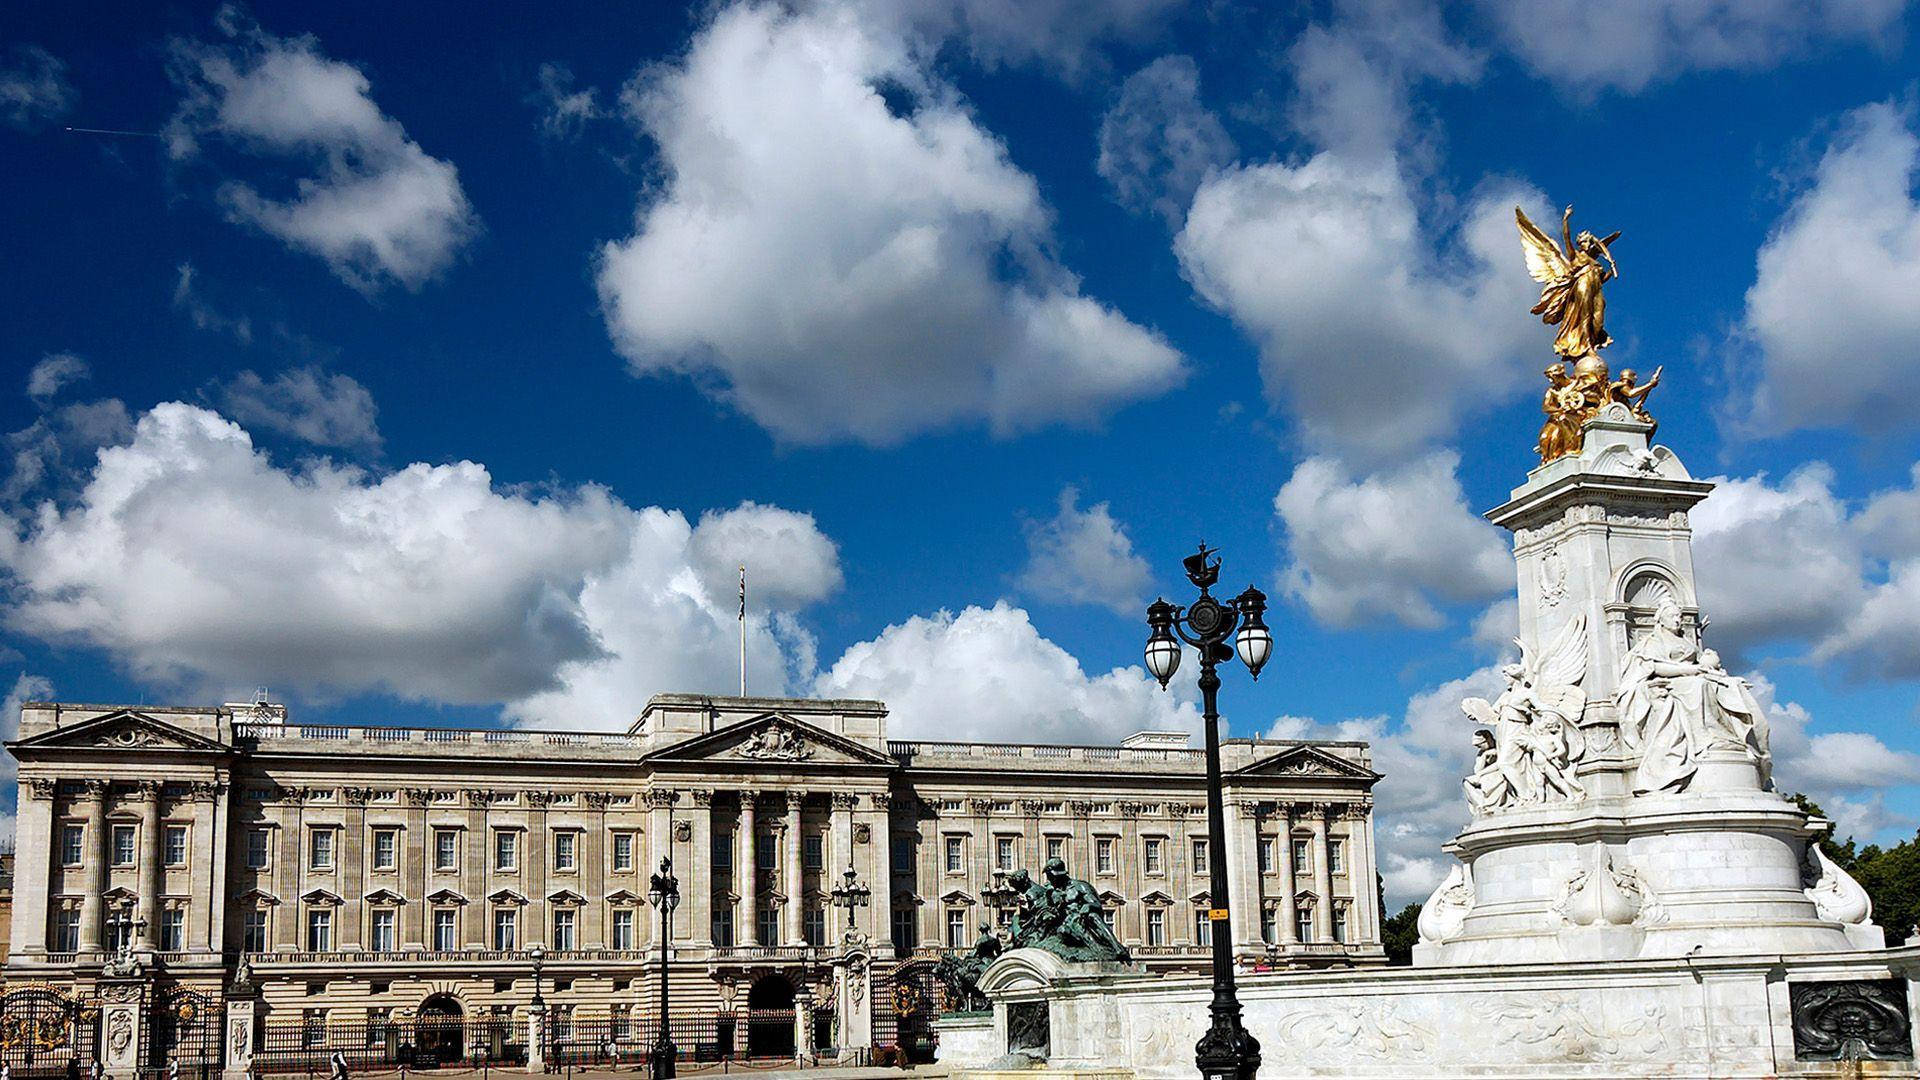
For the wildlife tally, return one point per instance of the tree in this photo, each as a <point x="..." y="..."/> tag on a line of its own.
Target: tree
<point x="1891" y="876"/>
<point x="1400" y="933"/>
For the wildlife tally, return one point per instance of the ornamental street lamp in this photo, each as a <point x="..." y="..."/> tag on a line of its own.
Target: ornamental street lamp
<point x="851" y="895"/>
<point x="1227" y="1051"/>
<point x="664" y="893"/>
<point x="539" y="953"/>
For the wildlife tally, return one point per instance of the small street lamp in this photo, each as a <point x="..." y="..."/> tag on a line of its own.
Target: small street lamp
<point x="1227" y="1051"/>
<point x="539" y="958"/>
<point x="851" y="895"/>
<point x="663" y="891"/>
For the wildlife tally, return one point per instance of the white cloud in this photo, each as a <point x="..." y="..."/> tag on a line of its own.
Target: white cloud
<point x="564" y="111"/>
<point x="48" y="455"/>
<point x="1158" y="142"/>
<point x="1495" y="628"/>
<point x="378" y="209"/>
<point x="428" y="582"/>
<point x="1382" y="319"/>
<point x="987" y="675"/>
<point x="307" y="404"/>
<point x="1830" y="319"/>
<point x="53" y="373"/>
<point x="1387" y="546"/>
<point x="1084" y="557"/>
<point x="839" y="270"/>
<point x="1587" y="47"/>
<point x="33" y="88"/>
<point x="1775" y="562"/>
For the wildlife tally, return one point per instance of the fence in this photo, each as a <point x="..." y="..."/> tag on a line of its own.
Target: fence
<point x="46" y="1034"/>
<point x="387" y="1044"/>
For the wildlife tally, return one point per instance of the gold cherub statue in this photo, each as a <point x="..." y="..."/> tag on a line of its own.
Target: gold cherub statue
<point x="1571" y="276"/>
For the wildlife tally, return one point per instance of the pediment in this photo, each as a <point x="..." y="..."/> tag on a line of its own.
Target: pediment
<point x="258" y="898"/>
<point x="120" y="896"/>
<point x="507" y="897"/>
<point x="1303" y="760"/>
<point x="384" y="896"/>
<point x="1111" y="899"/>
<point x="565" y="898"/>
<point x="1156" y="898"/>
<point x="624" y="898"/>
<point x="445" y="896"/>
<point x="321" y="898"/>
<point x="958" y="896"/>
<point x="1201" y="899"/>
<point x="122" y="729"/>
<point x="905" y="898"/>
<point x="1303" y="899"/>
<point x="775" y="740"/>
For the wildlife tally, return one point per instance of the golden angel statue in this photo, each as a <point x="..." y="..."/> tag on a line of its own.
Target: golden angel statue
<point x="1570" y="282"/>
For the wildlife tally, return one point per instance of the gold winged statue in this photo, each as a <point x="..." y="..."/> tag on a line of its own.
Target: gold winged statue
<point x="1571" y="274"/>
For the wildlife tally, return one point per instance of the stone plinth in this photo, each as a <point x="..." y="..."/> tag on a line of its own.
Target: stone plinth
<point x="1034" y="990"/>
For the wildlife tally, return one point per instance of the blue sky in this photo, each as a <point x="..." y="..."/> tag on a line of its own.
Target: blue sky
<point x="437" y="365"/>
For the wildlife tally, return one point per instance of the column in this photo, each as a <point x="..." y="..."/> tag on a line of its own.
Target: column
<point x="287" y="841"/>
<point x="1283" y="852"/>
<point x="350" y="854"/>
<point x="34" y="864"/>
<point x="203" y="856"/>
<point x="842" y="858"/>
<point x="1361" y="871"/>
<point x="697" y="879"/>
<point x="594" y="930"/>
<point x="793" y="877"/>
<point x="534" y="871"/>
<point x="876" y="873"/>
<point x="416" y="863"/>
<point x="1080" y="845"/>
<point x="747" y="920"/>
<point x="223" y="858"/>
<point x="1242" y="887"/>
<point x="94" y="798"/>
<point x="476" y="849"/>
<point x="659" y="845"/>
<point x="1322" y="874"/>
<point x="147" y="793"/>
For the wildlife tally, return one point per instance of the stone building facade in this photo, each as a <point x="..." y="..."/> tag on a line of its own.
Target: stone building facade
<point x="377" y="871"/>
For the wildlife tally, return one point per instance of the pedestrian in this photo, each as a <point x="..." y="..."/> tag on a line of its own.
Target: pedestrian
<point x="93" y="1070"/>
<point x="173" y="1069"/>
<point x="338" y="1066"/>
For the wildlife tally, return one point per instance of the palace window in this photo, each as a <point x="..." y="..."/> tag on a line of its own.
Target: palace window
<point x="1003" y="853"/>
<point x="956" y="928"/>
<point x="903" y="855"/>
<point x="66" y="930"/>
<point x="906" y="930"/>
<point x="446" y="850"/>
<point x="722" y="925"/>
<point x="722" y="849"/>
<point x="506" y="927"/>
<point x="1336" y="857"/>
<point x="1106" y="916"/>
<point x="563" y="939"/>
<point x="763" y="850"/>
<point x="253" y="931"/>
<point x="446" y="935"/>
<point x="1103" y="855"/>
<point x="1340" y="921"/>
<point x="73" y="847"/>
<point x="622" y="928"/>
<point x="173" y="929"/>
<point x="123" y="847"/>
<point x="1269" y="925"/>
<point x="956" y="854"/>
<point x="386" y="849"/>
<point x="506" y="850"/>
<point x="813" y="852"/>
<point x="1201" y="865"/>
<point x="381" y="938"/>
<point x="259" y="848"/>
<point x="1156" y="926"/>
<point x="1302" y="856"/>
<point x="1203" y="928"/>
<point x="769" y="921"/>
<point x="1057" y="848"/>
<point x="320" y="849"/>
<point x="622" y="852"/>
<point x="1266" y="856"/>
<point x="1303" y="924"/>
<point x="120" y="933"/>
<point x="1151" y="855"/>
<point x="564" y="844"/>
<point x="176" y="845"/>
<point x="320" y="930"/>
<point x="313" y="1028"/>
<point x="816" y="926"/>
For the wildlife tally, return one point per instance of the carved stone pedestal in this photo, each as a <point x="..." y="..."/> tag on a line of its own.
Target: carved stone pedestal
<point x="240" y="1037"/>
<point x="853" y="986"/>
<point x="123" y="1036"/>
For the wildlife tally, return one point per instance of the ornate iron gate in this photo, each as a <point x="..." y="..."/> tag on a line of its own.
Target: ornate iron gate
<point x="184" y="1027"/>
<point x="45" y="1033"/>
<point x="905" y="1001"/>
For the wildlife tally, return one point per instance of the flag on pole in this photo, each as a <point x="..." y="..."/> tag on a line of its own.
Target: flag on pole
<point x="743" y="594"/>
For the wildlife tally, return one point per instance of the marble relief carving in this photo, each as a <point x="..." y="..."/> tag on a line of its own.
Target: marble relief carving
<point x="1606" y="894"/>
<point x="775" y="742"/>
<point x="1446" y="910"/>
<point x="1834" y="892"/>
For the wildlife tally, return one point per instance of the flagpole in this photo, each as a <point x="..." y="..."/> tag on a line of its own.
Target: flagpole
<point x="743" y="631"/>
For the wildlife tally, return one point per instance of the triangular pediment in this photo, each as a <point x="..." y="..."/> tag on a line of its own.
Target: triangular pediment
<point x="384" y="896"/>
<point x="624" y="898"/>
<point x="445" y="896"/>
<point x="774" y="740"/>
<point x="1111" y="899"/>
<point x="321" y="898"/>
<point x="1307" y="761"/>
<point x="1156" y="898"/>
<point x="258" y="898"/>
<point x="120" y="896"/>
<point x="1201" y="899"/>
<point x="506" y="897"/>
<point x="122" y="729"/>
<point x="957" y="896"/>
<point x="1303" y="899"/>
<point x="565" y="898"/>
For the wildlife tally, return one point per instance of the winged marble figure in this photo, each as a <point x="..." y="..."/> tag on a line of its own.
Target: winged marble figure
<point x="1535" y="727"/>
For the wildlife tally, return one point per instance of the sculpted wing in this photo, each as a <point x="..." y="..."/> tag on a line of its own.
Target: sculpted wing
<point x="1557" y="672"/>
<point x="1544" y="259"/>
<point x="1480" y="711"/>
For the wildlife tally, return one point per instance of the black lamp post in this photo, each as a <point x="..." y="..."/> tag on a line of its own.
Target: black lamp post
<point x="539" y="953"/>
<point x="1227" y="1051"/>
<point x="664" y="892"/>
<point x="851" y="895"/>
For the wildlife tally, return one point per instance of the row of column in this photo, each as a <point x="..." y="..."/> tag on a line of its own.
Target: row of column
<point x="1243" y="839"/>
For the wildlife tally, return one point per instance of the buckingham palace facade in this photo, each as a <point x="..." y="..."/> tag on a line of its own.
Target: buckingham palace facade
<point x="378" y="871"/>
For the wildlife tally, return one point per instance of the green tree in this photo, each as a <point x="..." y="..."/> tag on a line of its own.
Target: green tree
<point x="1399" y="933"/>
